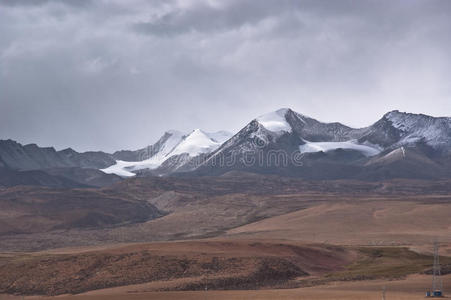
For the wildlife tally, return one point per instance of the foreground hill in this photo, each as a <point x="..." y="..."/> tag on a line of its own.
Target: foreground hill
<point x="171" y="266"/>
<point x="410" y="288"/>
<point x="200" y="265"/>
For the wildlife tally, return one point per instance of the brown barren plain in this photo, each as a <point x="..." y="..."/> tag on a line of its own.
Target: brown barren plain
<point x="250" y="237"/>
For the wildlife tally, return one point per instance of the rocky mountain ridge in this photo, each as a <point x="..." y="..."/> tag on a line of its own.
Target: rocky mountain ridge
<point x="282" y="142"/>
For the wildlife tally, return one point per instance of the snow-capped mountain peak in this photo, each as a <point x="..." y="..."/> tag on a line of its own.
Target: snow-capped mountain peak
<point x="195" y="143"/>
<point x="275" y="121"/>
<point x="406" y="121"/>
<point x="174" y="138"/>
<point x="435" y="132"/>
<point x="171" y="144"/>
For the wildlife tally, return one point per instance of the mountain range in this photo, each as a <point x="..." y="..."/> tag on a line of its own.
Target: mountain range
<point x="283" y="142"/>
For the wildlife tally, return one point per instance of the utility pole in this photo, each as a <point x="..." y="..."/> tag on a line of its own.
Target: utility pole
<point x="206" y="287"/>
<point x="384" y="290"/>
<point x="437" y="283"/>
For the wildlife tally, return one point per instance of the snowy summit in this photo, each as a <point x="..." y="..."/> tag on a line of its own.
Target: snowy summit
<point x="275" y="121"/>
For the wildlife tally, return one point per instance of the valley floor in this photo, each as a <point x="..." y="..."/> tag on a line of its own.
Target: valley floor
<point x="293" y="240"/>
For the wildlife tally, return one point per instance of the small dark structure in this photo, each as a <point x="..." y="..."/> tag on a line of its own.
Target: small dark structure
<point x="434" y="294"/>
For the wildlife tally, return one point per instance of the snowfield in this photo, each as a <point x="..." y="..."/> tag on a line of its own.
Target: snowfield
<point x="311" y="147"/>
<point x="120" y="168"/>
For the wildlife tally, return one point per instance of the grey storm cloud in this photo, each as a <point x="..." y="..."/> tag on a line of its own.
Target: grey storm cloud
<point x="112" y="74"/>
<point x="206" y="18"/>
<point x="42" y="2"/>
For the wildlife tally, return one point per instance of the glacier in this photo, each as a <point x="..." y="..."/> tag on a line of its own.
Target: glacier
<point x="311" y="147"/>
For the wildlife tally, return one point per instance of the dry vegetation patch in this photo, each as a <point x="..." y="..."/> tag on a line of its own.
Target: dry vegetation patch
<point x="224" y="265"/>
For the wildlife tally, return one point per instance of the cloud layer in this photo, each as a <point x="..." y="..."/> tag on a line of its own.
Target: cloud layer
<point x="116" y="74"/>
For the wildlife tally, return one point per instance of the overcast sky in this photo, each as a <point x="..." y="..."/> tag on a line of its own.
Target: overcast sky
<point x="101" y="74"/>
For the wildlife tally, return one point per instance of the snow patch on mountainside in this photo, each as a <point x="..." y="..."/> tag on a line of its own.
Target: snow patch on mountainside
<point x="125" y="168"/>
<point x="311" y="147"/>
<point x="275" y="121"/>
<point x="121" y="168"/>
